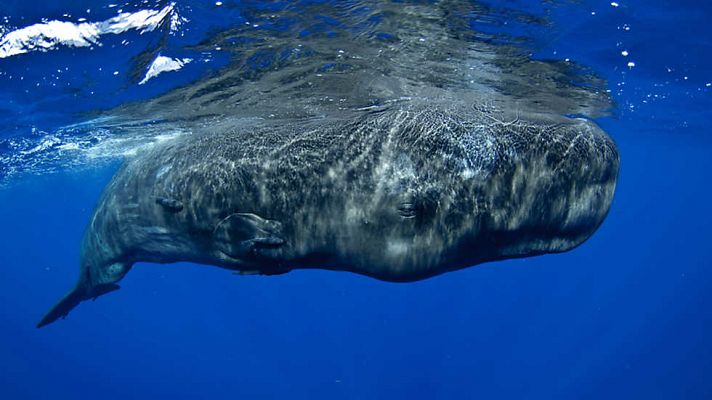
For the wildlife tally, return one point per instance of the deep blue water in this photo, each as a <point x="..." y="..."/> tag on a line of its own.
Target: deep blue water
<point x="625" y="315"/>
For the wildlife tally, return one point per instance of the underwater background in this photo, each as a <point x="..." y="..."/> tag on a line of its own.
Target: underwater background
<point x="625" y="315"/>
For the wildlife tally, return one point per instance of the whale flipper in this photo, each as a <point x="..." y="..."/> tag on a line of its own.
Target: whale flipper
<point x="171" y="205"/>
<point x="243" y="234"/>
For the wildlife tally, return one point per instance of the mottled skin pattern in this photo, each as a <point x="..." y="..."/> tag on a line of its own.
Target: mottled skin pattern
<point x="397" y="194"/>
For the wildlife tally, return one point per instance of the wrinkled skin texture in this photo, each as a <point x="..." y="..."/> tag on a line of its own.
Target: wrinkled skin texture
<point x="397" y="194"/>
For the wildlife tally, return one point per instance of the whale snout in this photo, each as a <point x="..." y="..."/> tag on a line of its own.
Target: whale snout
<point x="583" y="181"/>
<point x="557" y="194"/>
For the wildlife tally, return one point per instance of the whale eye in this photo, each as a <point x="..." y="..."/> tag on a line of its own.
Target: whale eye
<point x="408" y="210"/>
<point x="417" y="206"/>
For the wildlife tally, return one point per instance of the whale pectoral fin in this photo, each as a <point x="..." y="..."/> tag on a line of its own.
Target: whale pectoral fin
<point x="171" y="205"/>
<point x="243" y="234"/>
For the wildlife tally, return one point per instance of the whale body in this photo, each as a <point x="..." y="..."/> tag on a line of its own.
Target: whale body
<point x="398" y="194"/>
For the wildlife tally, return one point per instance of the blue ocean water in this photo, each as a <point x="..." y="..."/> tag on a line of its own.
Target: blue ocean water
<point x="625" y="315"/>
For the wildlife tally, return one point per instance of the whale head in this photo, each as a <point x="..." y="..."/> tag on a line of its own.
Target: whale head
<point x="479" y="190"/>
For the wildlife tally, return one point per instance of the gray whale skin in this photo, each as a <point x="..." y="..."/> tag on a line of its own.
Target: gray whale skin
<point x="398" y="195"/>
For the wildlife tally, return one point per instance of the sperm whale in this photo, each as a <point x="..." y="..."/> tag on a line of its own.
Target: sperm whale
<point x="398" y="194"/>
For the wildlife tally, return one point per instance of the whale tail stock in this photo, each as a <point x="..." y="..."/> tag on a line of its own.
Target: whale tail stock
<point x="72" y="299"/>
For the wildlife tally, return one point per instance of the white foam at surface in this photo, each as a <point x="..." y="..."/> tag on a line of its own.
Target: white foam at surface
<point x="48" y="35"/>
<point x="46" y="143"/>
<point x="145" y="20"/>
<point x="164" y="64"/>
<point x="79" y="146"/>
